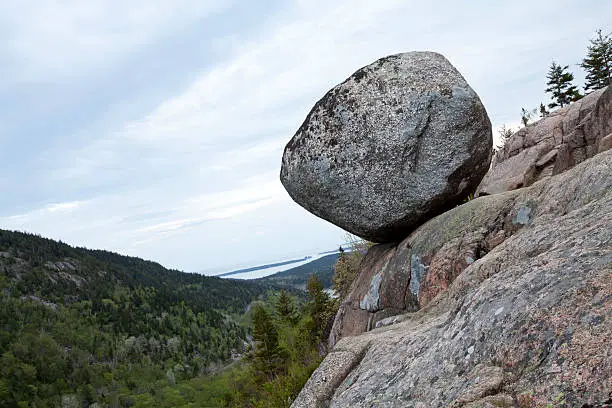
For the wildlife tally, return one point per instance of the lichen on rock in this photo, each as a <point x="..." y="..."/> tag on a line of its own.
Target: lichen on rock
<point x="401" y="140"/>
<point x="553" y="144"/>
<point x="526" y="324"/>
<point x="504" y="301"/>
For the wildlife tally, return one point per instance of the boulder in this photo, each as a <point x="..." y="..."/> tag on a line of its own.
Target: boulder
<point x="400" y="141"/>
<point x="515" y="297"/>
<point x="553" y="144"/>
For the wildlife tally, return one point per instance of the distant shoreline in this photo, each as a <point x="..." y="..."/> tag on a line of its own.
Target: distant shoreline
<point x="266" y="266"/>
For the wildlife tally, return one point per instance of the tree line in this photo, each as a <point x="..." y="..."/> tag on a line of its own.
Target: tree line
<point x="287" y="343"/>
<point x="597" y="65"/>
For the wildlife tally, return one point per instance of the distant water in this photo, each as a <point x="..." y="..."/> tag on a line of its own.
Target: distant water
<point x="257" y="268"/>
<point x="252" y="273"/>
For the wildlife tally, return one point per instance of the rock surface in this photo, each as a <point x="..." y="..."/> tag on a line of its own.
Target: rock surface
<point x="422" y="265"/>
<point x="401" y="140"/>
<point x="553" y="144"/>
<point x="516" y="297"/>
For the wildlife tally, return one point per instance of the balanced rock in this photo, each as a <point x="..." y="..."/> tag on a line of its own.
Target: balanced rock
<point x="514" y="293"/>
<point x="400" y="141"/>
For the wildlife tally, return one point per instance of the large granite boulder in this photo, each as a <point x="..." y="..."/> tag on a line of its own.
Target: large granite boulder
<point x="398" y="142"/>
<point x="515" y="298"/>
<point x="553" y="144"/>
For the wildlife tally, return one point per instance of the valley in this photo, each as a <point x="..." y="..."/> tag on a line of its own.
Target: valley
<point x="93" y="326"/>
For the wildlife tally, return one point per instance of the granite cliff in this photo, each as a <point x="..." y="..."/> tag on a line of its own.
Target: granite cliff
<point x="559" y="141"/>
<point x="504" y="301"/>
<point x="515" y="306"/>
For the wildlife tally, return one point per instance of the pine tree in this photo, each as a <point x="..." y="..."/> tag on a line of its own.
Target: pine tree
<point x="320" y="306"/>
<point x="343" y="274"/>
<point x="560" y="86"/>
<point x="543" y="111"/>
<point x="598" y="62"/>
<point x="285" y="310"/>
<point x="268" y="355"/>
<point x="347" y="265"/>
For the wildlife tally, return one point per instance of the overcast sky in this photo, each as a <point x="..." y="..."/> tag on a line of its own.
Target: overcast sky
<point x="155" y="128"/>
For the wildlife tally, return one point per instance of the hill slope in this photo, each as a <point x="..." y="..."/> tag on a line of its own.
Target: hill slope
<point x="298" y="276"/>
<point x="260" y="267"/>
<point x="95" y="326"/>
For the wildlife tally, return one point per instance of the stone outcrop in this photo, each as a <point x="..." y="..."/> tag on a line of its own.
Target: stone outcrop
<point x="514" y="299"/>
<point x="394" y="279"/>
<point x="553" y="144"/>
<point x="505" y="301"/>
<point x="400" y="141"/>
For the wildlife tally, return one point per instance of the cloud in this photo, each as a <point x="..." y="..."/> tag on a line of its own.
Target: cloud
<point x="153" y="231"/>
<point x="188" y="161"/>
<point x="237" y="157"/>
<point x="51" y="209"/>
<point x="63" y="38"/>
<point x="136" y="220"/>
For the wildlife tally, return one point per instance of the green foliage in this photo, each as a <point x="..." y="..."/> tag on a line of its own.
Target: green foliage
<point x="103" y="274"/>
<point x="243" y="385"/>
<point x="285" y="308"/>
<point x="560" y="86"/>
<point x="543" y="111"/>
<point x="298" y="276"/>
<point x="321" y="310"/>
<point x="48" y="352"/>
<point x="598" y="62"/>
<point x="504" y="134"/>
<point x="347" y="265"/>
<point x="268" y="356"/>
<point x="79" y="327"/>
<point x="318" y="300"/>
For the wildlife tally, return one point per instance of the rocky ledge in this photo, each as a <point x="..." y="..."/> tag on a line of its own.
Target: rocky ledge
<point x="512" y="296"/>
<point x="558" y="142"/>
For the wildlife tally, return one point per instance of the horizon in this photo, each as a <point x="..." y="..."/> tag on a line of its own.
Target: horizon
<point x="156" y="130"/>
<point x="280" y="264"/>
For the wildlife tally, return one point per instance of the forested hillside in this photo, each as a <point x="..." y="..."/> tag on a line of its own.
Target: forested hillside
<point x="81" y="326"/>
<point x="297" y="277"/>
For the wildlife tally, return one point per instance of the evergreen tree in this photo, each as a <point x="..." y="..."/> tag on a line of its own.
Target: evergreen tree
<point x="320" y="306"/>
<point x="560" y="86"/>
<point x="543" y="111"/>
<point x="340" y="281"/>
<point x="598" y="62"/>
<point x="268" y="355"/>
<point x="318" y="297"/>
<point x="285" y="310"/>
<point x="347" y="265"/>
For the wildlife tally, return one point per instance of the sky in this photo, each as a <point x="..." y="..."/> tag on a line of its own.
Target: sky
<point x="155" y="128"/>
